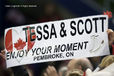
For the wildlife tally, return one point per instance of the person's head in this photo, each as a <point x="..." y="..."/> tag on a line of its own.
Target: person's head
<point x="75" y="72"/>
<point x="106" y="61"/>
<point x="49" y="8"/>
<point x="82" y="63"/>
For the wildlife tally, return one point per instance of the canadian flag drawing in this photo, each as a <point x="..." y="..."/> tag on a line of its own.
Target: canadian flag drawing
<point x="18" y="41"/>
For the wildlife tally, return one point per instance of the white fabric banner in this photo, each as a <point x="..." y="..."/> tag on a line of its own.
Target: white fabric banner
<point x="57" y="40"/>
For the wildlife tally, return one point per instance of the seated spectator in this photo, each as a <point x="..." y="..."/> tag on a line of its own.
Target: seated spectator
<point x="108" y="71"/>
<point x="82" y="64"/>
<point x="75" y="72"/>
<point x="107" y="61"/>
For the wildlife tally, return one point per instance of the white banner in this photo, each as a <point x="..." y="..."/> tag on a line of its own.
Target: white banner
<point x="57" y="40"/>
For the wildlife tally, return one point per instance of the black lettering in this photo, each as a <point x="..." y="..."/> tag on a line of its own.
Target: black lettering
<point x="32" y="33"/>
<point x="69" y="47"/>
<point x="12" y="55"/>
<point x="88" y="31"/>
<point x="80" y="45"/>
<point x="33" y="51"/>
<point x="8" y="55"/>
<point x="80" y="32"/>
<point x="39" y="37"/>
<point x="85" y="44"/>
<point x="53" y="32"/>
<point x="102" y="19"/>
<point x="38" y="51"/>
<point x="57" y="48"/>
<point x="72" y="27"/>
<point x="46" y="32"/>
<point x="63" y="47"/>
<point x="21" y="53"/>
<point x="95" y="19"/>
<point x="25" y="29"/>
<point x="75" y="46"/>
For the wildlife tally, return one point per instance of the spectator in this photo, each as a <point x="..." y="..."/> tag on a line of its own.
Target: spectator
<point x="82" y="64"/>
<point x="107" y="61"/>
<point x="75" y="72"/>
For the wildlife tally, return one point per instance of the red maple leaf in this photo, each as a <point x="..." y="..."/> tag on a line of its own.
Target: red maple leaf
<point x="109" y="13"/>
<point x="20" y="44"/>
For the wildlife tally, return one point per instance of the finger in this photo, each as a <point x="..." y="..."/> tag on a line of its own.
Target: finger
<point x="109" y="31"/>
<point x="48" y="71"/>
<point x="53" y="69"/>
<point x="50" y="68"/>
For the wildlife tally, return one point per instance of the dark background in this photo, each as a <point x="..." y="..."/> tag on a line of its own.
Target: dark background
<point x="64" y="9"/>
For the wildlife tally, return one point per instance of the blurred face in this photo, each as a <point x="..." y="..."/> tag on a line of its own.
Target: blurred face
<point x="49" y="9"/>
<point x="72" y="65"/>
<point x="15" y="17"/>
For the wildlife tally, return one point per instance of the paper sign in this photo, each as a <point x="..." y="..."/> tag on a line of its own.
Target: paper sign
<point x="57" y="40"/>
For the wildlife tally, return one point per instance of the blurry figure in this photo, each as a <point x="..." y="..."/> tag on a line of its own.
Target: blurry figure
<point x="3" y="70"/>
<point x="2" y="59"/>
<point x="90" y="73"/>
<point x="29" y="70"/>
<point x="15" y="17"/>
<point x="75" y="72"/>
<point x="50" y="71"/>
<point x="82" y="64"/>
<point x="6" y="72"/>
<point x="108" y="71"/>
<point x="49" y="9"/>
<point x="62" y="71"/>
<point x="50" y="12"/>
<point x="105" y="62"/>
<point x="95" y="61"/>
<point x="16" y="71"/>
<point x="20" y="71"/>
